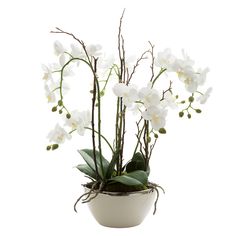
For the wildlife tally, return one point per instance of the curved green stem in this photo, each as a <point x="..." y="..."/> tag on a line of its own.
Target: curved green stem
<point x="159" y="74"/>
<point x="103" y="138"/>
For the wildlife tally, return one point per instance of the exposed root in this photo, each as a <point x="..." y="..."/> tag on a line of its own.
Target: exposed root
<point x="95" y="195"/>
<point x="88" y="194"/>
<point x="155" y="187"/>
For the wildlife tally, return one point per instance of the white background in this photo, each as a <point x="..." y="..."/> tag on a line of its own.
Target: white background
<point x="194" y="162"/>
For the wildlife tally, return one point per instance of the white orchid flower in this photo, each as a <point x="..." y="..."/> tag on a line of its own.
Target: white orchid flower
<point x="204" y="97"/>
<point x="76" y="51"/>
<point x="166" y="60"/>
<point x="94" y="50"/>
<point x="169" y="101"/>
<point x="84" y="121"/>
<point x="58" y="135"/>
<point x="156" y="115"/>
<point x="149" y="96"/>
<point x="47" y="69"/>
<point x="78" y="121"/>
<point x="50" y="95"/>
<point x="128" y="93"/>
<point x="136" y="108"/>
<point x="58" y="48"/>
<point x="201" y="75"/>
<point x="106" y="63"/>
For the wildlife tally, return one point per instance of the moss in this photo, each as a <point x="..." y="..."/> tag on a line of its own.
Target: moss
<point x="118" y="187"/>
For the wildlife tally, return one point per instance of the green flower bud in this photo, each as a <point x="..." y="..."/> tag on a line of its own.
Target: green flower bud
<point x="162" y="131"/>
<point x="181" y="114"/>
<point x="198" y="110"/>
<point x="60" y="103"/>
<point x="55" y="146"/>
<point x="102" y="93"/>
<point x="149" y="139"/>
<point x="182" y="102"/>
<point x="91" y="91"/>
<point x="177" y="96"/>
<point x="49" y="147"/>
<point x="189" y="116"/>
<point x="60" y="111"/>
<point x="54" y="109"/>
<point x="191" y="99"/>
<point x="155" y="135"/>
<point x="68" y="116"/>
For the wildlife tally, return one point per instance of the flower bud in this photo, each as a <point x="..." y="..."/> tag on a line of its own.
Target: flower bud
<point x="162" y="131"/>
<point x="149" y="139"/>
<point x="60" y="103"/>
<point x="60" y="111"/>
<point x="181" y="114"/>
<point x="191" y="99"/>
<point x="189" y="116"/>
<point x="177" y="96"/>
<point x="54" y="109"/>
<point x="68" y="116"/>
<point x="155" y="135"/>
<point x="55" y="146"/>
<point x="48" y="147"/>
<point x="198" y="110"/>
<point x="182" y="102"/>
<point x="102" y="93"/>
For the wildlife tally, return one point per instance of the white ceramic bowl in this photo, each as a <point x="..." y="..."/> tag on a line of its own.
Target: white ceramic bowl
<point x="119" y="211"/>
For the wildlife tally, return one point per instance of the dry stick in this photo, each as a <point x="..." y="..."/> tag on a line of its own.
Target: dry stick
<point x="151" y="149"/>
<point x="119" y="115"/>
<point x="138" y="134"/>
<point x="153" y="59"/>
<point x="99" y="116"/>
<point x="60" y="31"/>
<point x="93" y="129"/>
<point x="122" y="139"/>
<point x="167" y="90"/>
<point x="145" y="140"/>
<point x="136" y="65"/>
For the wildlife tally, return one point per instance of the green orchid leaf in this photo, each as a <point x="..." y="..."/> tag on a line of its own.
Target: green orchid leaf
<point x="86" y="170"/>
<point x="105" y="162"/>
<point x="139" y="175"/>
<point x="87" y="155"/>
<point x="134" y="178"/>
<point x="111" y="166"/>
<point x="126" y="180"/>
<point x="87" y="159"/>
<point x="138" y="157"/>
<point x="136" y="163"/>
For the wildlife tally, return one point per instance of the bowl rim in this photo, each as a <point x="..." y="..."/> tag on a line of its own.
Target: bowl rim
<point x="120" y="194"/>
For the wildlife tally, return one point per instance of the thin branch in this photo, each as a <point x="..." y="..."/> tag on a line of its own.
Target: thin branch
<point x="153" y="59"/>
<point x="136" y="65"/>
<point x="167" y="90"/>
<point x="60" y="31"/>
<point x="151" y="149"/>
<point x="93" y="128"/>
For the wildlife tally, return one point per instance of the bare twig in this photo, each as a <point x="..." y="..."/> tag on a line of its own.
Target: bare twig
<point x="93" y="129"/>
<point x="142" y="57"/>
<point x="60" y="31"/>
<point x="153" y="59"/>
<point x="167" y="90"/>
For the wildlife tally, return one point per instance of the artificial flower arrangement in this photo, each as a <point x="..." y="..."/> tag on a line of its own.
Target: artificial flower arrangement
<point x="150" y="103"/>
